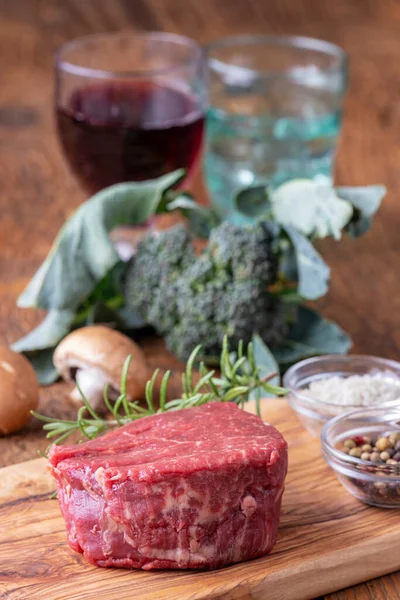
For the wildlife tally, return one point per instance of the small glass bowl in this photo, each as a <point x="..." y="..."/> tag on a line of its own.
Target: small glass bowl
<point x="373" y="483"/>
<point x="315" y="413"/>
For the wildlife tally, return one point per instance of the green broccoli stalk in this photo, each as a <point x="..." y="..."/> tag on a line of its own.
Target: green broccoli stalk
<point x="198" y="300"/>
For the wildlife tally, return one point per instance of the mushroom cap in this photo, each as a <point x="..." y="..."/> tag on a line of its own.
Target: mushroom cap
<point x="19" y="390"/>
<point x="105" y="350"/>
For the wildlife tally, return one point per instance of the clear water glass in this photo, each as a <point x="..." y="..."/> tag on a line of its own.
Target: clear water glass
<point x="275" y="115"/>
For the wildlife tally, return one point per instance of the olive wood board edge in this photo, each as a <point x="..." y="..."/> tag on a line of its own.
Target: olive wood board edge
<point x="327" y="540"/>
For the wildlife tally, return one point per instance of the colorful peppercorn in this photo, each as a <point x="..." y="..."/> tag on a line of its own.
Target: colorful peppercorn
<point x="349" y="444"/>
<point x="384" y="449"/>
<point x="356" y="452"/>
<point x="382" y="443"/>
<point x="380" y="457"/>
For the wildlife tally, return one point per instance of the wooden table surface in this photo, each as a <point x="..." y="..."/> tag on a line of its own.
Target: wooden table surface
<point x="37" y="192"/>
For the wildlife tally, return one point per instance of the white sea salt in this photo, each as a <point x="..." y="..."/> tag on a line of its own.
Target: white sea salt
<point x="357" y="390"/>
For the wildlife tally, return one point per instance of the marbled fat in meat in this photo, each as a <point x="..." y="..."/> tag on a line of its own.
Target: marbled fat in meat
<point x="198" y="488"/>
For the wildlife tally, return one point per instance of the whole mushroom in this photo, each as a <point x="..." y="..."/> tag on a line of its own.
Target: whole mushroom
<point x="93" y="357"/>
<point x="19" y="390"/>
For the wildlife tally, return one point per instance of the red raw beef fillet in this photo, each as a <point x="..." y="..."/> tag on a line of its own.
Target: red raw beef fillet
<point x="197" y="488"/>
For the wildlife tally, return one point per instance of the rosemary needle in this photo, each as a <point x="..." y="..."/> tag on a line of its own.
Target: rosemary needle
<point x="239" y="377"/>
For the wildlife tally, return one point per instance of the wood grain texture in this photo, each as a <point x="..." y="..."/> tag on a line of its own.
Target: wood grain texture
<point x="37" y="192"/>
<point x="327" y="539"/>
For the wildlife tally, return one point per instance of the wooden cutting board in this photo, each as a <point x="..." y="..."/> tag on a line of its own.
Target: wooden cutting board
<point x="327" y="541"/>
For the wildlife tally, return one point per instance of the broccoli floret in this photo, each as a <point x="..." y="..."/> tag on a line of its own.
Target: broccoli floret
<point x="247" y="252"/>
<point x="160" y="260"/>
<point x="223" y="291"/>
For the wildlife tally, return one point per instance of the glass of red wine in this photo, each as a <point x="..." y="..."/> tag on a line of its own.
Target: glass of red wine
<point x="130" y="107"/>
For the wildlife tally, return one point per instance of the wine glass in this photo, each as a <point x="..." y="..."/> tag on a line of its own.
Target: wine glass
<point x="130" y="107"/>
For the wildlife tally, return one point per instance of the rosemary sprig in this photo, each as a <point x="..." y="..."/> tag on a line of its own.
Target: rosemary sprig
<point x="239" y="377"/>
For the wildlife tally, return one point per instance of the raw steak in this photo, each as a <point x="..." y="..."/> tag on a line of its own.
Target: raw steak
<point x="191" y="489"/>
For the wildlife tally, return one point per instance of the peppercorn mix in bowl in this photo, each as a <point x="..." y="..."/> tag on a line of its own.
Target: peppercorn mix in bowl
<point x="326" y="386"/>
<point x="363" y="448"/>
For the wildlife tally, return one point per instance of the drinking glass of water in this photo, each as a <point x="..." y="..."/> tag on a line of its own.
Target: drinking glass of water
<point x="276" y="110"/>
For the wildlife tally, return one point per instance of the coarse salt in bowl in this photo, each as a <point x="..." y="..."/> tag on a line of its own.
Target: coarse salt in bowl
<point x="326" y="386"/>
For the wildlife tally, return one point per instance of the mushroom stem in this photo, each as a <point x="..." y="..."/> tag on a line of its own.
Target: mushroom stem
<point x="92" y="383"/>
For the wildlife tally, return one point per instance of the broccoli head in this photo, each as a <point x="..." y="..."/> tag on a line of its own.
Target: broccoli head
<point x="197" y="300"/>
<point x="160" y="260"/>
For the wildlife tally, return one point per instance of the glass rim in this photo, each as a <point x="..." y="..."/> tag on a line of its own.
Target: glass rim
<point x="73" y="68"/>
<point x="290" y="41"/>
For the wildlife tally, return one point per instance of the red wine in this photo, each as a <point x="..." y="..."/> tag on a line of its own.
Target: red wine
<point x="129" y="131"/>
